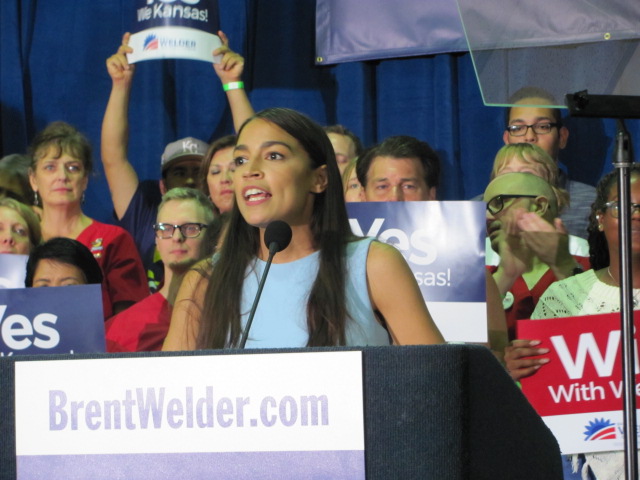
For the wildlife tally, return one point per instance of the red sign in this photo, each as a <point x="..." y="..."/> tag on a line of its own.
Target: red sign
<point x="584" y="371"/>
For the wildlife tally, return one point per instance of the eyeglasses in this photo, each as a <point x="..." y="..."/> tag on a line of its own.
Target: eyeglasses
<point x="496" y="204"/>
<point x="615" y="211"/>
<point x="188" y="230"/>
<point x="541" y="128"/>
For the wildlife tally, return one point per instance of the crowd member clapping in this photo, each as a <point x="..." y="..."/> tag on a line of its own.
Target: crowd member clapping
<point x="330" y="288"/>
<point x="521" y="211"/>
<point x="183" y="216"/>
<point x="529" y="158"/>
<point x="61" y="165"/>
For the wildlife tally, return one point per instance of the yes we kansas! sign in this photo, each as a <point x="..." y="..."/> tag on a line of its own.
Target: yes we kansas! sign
<point x="175" y="29"/>
<point x="579" y="392"/>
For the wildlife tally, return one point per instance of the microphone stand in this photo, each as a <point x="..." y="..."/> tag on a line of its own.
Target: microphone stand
<point x="582" y="104"/>
<point x="622" y="163"/>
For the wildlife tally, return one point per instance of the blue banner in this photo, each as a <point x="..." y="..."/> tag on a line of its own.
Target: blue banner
<point x="51" y="320"/>
<point x="443" y="243"/>
<point x="356" y="30"/>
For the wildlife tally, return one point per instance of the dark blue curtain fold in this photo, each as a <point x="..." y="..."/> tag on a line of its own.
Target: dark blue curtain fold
<point x="52" y="67"/>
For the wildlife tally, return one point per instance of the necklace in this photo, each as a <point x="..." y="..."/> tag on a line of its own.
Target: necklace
<point x="635" y="295"/>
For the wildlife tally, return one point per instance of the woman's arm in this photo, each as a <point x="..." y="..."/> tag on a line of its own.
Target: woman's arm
<point x="229" y="70"/>
<point x="496" y="320"/>
<point x="185" y="319"/>
<point x="395" y="294"/>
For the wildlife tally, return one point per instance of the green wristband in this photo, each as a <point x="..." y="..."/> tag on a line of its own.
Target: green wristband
<point x="232" y="86"/>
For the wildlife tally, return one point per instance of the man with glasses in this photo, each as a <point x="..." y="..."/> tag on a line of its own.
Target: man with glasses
<point x="183" y="217"/>
<point x="543" y="126"/>
<point x="522" y="226"/>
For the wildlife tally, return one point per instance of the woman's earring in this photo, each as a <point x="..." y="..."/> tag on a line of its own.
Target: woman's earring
<point x="35" y="198"/>
<point x="600" y="227"/>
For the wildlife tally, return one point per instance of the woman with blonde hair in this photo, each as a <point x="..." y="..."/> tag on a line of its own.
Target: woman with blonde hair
<point x="19" y="227"/>
<point x="529" y="158"/>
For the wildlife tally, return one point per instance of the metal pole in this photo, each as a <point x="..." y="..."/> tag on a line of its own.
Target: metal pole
<point x="623" y="162"/>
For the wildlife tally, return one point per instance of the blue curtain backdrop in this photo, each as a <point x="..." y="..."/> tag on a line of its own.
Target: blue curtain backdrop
<point x="52" y="67"/>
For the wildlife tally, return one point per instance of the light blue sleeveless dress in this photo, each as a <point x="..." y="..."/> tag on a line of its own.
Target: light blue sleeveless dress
<point x="281" y="316"/>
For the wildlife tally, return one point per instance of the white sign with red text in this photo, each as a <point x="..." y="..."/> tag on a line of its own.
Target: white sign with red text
<point x="579" y="392"/>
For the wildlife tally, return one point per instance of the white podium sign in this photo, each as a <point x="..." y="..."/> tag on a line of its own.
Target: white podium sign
<point x="281" y="415"/>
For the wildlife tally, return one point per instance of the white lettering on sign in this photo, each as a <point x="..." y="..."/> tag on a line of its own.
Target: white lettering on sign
<point x="19" y="333"/>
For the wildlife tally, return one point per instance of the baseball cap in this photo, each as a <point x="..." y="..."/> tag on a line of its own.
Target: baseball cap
<point x="185" y="147"/>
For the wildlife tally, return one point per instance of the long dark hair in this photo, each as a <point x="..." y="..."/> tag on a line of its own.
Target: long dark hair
<point x="220" y="324"/>
<point x="598" y="246"/>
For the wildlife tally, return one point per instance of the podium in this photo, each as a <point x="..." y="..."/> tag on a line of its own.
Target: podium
<point x="431" y="412"/>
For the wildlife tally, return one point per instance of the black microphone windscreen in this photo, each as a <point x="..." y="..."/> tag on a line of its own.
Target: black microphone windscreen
<point x="277" y="232"/>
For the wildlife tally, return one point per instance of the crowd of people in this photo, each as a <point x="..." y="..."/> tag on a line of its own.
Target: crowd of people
<point x="181" y="265"/>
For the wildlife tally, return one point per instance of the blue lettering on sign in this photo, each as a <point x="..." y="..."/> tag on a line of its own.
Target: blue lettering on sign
<point x="152" y="408"/>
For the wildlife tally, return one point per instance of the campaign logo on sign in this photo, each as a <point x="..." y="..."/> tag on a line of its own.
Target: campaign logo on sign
<point x="600" y="429"/>
<point x="151" y="43"/>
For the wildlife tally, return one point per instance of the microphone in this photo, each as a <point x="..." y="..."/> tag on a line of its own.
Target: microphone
<point x="277" y="237"/>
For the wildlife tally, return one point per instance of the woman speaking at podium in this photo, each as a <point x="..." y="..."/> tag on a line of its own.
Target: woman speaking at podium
<point x="326" y="287"/>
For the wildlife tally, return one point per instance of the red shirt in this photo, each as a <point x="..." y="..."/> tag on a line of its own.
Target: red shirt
<point x="141" y="327"/>
<point x="525" y="300"/>
<point x="124" y="276"/>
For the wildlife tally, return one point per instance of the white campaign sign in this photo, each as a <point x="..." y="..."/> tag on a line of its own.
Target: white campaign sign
<point x="219" y="403"/>
<point x="173" y="42"/>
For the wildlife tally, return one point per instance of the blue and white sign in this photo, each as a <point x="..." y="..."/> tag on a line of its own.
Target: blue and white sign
<point x="13" y="270"/>
<point x="175" y="29"/>
<point x="51" y="320"/>
<point x="286" y="416"/>
<point x="443" y="243"/>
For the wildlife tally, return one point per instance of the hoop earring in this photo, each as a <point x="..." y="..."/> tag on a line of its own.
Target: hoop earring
<point x="35" y="198"/>
<point x="82" y="201"/>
